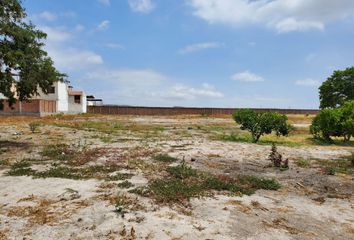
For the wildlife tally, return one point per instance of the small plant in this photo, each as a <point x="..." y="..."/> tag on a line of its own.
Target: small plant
<point x="121" y="203"/>
<point x="304" y="163"/>
<point x="260" y="183"/>
<point x="4" y="162"/>
<point x="174" y="190"/>
<point x="222" y="185"/>
<point x="164" y="158"/>
<point x="277" y="159"/>
<point x="22" y="168"/>
<point x="119" y="176"/>
<point x="58" y="152"/>
<point x="332" y="171"/>
<point x="106" y="139"/>
<point x="125" y="184"/>
<point x="143" y="191"/>
<point x="182" y="171"/>
<point x="34" y="126"/>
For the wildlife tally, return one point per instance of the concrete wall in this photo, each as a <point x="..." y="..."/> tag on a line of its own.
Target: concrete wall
<point x="76" y="107"/>
<point x="122" y="110"/>
<point x="62" y="97"/>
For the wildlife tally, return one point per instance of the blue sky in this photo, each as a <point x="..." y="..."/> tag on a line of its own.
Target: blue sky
<point x="206" y="53"/>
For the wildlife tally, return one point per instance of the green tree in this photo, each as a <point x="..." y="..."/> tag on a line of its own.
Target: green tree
<point x="259" y="123"/>
<point x="337" y="89"/>
<point x="23" y="62"/>
<point x="326" y="124"/>
<point x="347" y="121"/>
<point x="337" y="122"/>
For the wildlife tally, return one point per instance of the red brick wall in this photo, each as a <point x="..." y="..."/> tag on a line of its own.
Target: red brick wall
<point x="36" y="106"/>
<point x="187" y="111"/>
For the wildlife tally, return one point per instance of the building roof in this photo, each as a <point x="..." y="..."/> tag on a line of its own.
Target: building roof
<point x="74" y="93"/>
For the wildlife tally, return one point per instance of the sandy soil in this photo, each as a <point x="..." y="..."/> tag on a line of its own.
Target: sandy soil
<point x="310" y="205"/>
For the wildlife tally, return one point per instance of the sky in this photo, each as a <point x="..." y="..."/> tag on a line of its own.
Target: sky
<point x="198" y="53"/>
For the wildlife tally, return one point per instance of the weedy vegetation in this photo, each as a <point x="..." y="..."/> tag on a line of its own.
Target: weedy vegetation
<point x="164" y="158"/>
<point x="34" y="126"/>
<point x="304" y="163"/>
<point x="183" y="182"/>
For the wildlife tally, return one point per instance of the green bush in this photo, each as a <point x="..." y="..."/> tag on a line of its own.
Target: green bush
<point x="34" y="126"/>
<point x="260" y="123"/>
<point x="338" y="122"/>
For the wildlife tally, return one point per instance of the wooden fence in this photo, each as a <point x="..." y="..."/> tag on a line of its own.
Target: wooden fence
<point x="130" y="110"/>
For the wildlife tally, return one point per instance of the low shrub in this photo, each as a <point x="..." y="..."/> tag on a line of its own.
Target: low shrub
<point x="337" y="122"/>
<point x="185" y="182"/>
<point x="34" y="126"/>
<point x="304" y="163"/>
<point x="260" y="183"/>
<point x="125" y="184"/>
<point x="164" y="158"/>
<point x="174" y="190"/>
<point x="22" y="168"/>
<point x="182" y="171"/>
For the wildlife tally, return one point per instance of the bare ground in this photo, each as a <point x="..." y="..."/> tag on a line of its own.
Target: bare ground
<point x="311" y="204"/>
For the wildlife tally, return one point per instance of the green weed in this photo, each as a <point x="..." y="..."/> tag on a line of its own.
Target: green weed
<point x="182" y="171"/>
<point x="125" y="184"/>
<point x="164" y="158"/>
<point x="304" y="163"/>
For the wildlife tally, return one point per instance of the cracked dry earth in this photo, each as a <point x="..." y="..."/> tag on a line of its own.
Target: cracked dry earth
<point x="311" y="204"/>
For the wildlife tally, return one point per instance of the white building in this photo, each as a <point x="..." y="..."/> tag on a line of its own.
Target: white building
<point x="67" y="100"/>
<point x="62" y="98"/>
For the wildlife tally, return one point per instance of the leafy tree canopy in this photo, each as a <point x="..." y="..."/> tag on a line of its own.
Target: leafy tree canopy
<point x="337" y="122"/>
<point x="260" y="123"/>
<point x="337" y="89"/>
<point x="23" y="62"/>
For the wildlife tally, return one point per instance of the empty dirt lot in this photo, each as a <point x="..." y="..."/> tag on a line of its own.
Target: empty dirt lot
<point x="186" y="177"/>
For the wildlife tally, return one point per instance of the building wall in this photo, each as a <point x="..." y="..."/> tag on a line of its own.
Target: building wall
<point x="76" y="107"/>
<point x="30" y="107"/>
<point x="62" y="97"/>
<point x="122" y="110"/>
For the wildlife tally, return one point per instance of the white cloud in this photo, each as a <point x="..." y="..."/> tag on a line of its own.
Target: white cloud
<point x="148" y="87"/>
<point x="66" y="57"/>
<point x="247" y="76"/>
<point x="48" y="16"/>
<point x="281" y="15"/>
<point x="291" y="24"/>
<point x="131" y="77"/>
<point x="114" y="46"/>
<point x="56" y="34"/>
<point x="310" y="57"/>
<point x="143" y="6"/>
<point x="105" y="2"/>
<point x="198" y="47"/>
<point x="79" y="28"/>
<point x="189" y="93"/>
<point x="103" y="25"/>
<point x="308" y="82"/>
